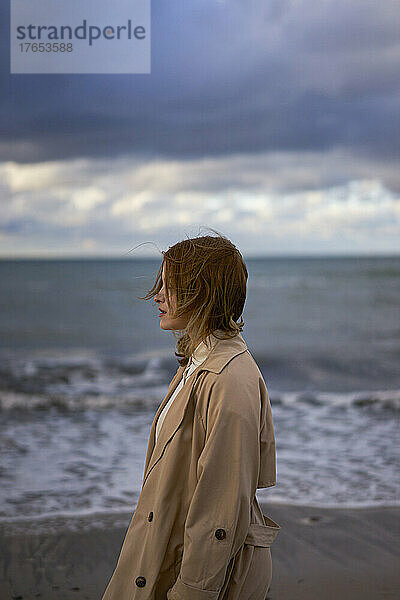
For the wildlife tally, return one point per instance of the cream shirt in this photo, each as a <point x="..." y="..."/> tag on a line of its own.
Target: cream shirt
<point x="199" y="355"/>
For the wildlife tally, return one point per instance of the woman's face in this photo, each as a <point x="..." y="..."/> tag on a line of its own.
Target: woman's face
<point x="166" y="321"/>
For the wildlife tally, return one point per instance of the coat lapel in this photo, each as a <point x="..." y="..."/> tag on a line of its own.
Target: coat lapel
<point x="221" y="354"/>
<point x="172" y="386"/>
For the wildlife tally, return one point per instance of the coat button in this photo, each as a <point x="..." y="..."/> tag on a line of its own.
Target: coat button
<point x="140" y="581"/>
<point x="220" y="534"/>
<point x="150" y="517"/>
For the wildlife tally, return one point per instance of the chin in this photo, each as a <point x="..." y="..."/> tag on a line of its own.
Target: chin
<point x="170" y="324"/>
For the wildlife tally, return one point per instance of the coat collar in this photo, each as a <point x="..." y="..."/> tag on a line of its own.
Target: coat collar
<point x="203" y="349"/>
<point x="222" y="352"/>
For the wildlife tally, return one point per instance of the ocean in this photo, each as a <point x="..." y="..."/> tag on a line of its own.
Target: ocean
<point x="84" y="366"/>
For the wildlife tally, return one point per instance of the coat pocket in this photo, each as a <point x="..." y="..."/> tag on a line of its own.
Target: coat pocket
<point x="262" y="535"/>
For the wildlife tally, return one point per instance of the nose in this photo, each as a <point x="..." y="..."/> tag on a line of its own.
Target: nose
<point x="156" y="297"/>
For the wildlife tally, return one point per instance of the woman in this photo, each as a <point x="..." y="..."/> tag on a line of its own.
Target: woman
<point x="198" y="532"/>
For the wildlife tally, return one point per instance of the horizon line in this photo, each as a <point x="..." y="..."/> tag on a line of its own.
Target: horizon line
<point x="245" y="256"/>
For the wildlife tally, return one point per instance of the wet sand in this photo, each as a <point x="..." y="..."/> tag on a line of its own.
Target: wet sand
<point x="319" y="554"/>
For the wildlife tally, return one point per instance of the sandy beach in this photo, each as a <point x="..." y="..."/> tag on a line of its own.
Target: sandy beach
<point x="319" y="554"/>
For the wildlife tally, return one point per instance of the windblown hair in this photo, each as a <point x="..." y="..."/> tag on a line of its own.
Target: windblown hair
<point x="208" y="276"/>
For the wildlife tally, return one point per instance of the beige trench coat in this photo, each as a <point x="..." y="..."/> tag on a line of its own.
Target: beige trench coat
<point x="198" y="532"/>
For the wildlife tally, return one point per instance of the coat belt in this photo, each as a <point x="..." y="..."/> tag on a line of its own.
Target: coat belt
<point x="262" y="535"/>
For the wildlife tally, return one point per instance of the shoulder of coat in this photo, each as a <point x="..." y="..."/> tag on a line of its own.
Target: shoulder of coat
<point x="238" y="388"/>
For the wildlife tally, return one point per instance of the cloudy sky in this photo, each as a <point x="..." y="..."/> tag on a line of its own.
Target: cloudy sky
<point x="276" y="122"/>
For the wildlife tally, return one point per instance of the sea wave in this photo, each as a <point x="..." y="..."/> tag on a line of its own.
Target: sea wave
<point x="149" y="398"/>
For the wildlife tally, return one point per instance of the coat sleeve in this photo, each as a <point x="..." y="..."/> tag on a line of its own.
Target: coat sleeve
<point x="218" y="517"/>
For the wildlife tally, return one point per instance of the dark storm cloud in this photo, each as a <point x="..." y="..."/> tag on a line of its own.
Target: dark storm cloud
<point x="226" y="77"/>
